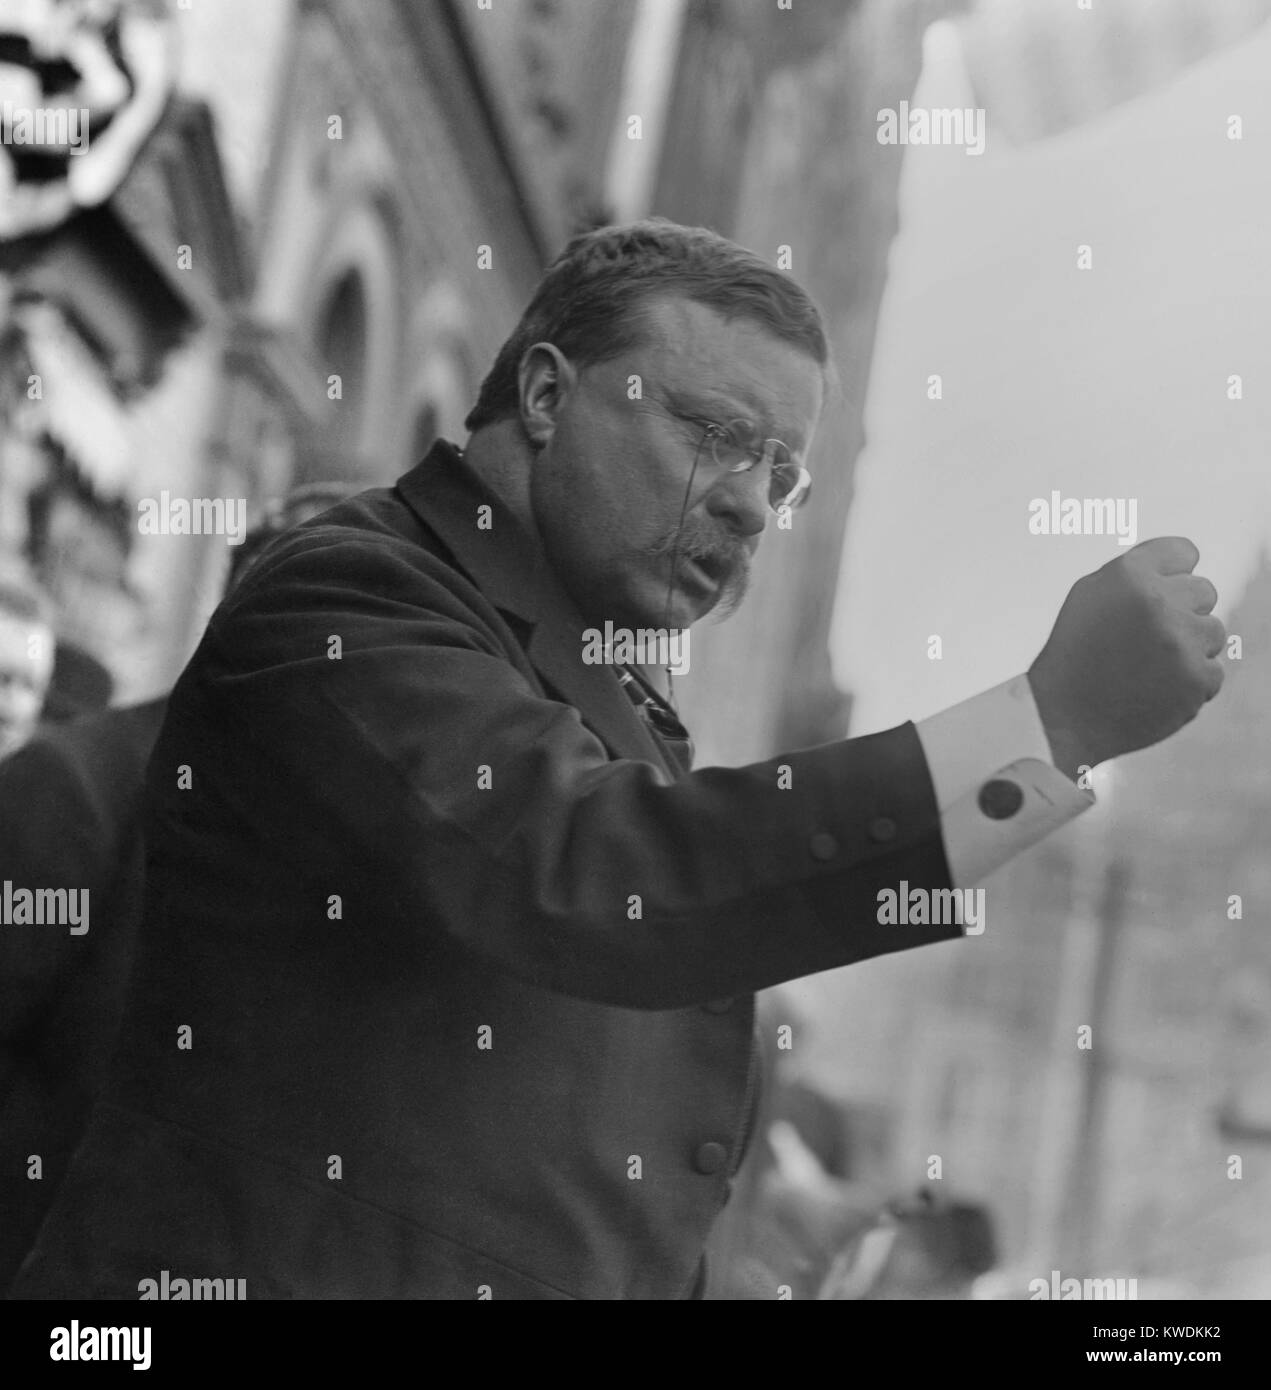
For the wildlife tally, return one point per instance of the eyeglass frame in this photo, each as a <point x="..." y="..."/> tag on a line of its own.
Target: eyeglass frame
<point x="711" y="430"/>
<point x="766" y="450"/>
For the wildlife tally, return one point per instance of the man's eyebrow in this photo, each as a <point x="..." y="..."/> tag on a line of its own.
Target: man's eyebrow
<point x="718" y="403"/>
<point x="724" y="404"/>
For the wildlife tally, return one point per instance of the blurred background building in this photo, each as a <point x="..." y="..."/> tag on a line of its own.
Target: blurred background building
<point x="316" y="223"/>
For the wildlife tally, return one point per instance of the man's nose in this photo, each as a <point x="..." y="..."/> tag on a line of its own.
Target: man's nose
<point x="741" y="500"/>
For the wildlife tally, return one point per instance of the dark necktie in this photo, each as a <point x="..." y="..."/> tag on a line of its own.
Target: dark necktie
<point x="661" y="719"/>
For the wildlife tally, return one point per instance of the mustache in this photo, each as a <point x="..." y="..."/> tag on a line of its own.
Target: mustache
<point x="699" y="543"/>
<point x="726" y="553"/>
<point x="728" y="556"/>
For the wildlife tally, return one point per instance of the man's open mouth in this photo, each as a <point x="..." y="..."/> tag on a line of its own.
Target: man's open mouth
<point x="706" y="572"/>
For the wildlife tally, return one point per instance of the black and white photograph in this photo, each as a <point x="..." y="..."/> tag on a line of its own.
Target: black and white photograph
<point x="635" y="663"/>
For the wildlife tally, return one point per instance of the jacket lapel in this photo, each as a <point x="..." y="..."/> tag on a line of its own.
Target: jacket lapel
<point x="509" y="569"/>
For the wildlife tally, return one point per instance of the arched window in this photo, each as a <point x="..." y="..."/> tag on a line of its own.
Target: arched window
<point x="340" y="342"/>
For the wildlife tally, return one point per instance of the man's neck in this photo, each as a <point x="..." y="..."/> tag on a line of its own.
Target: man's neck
<point x="501" y="458"/>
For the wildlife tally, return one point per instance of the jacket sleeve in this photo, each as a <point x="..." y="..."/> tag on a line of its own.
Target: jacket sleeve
<point x="375" y="683"/>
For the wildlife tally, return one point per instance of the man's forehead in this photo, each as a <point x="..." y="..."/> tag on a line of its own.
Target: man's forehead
<point x="692" y="348"/>
<point x="689" y="331"/>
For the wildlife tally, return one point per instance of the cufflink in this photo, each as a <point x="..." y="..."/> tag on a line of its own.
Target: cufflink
<point x="1000" y="799"/>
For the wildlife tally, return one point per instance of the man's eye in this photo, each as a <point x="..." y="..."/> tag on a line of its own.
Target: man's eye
<point x="737" y="434"/>
<point x="711" y="432"/>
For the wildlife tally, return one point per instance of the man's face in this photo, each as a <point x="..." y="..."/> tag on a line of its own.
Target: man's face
<point x="629" y="538"/>
<point x="26" y="663"/>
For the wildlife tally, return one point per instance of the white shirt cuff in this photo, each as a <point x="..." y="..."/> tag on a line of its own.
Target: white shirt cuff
<point x="997" y="790"/>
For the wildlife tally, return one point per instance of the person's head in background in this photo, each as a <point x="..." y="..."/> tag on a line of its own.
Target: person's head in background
<point x="297" y="506"/>
<point x="26" y="658"/>
<point x="81" y="685"/>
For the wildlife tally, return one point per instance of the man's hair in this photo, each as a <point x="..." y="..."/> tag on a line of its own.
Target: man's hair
<point x="589" y="303"/>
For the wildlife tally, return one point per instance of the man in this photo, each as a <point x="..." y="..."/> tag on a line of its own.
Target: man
<point x="26" y="660"/>
<point x="70" y="817"/>
<point x="445" y="982"/>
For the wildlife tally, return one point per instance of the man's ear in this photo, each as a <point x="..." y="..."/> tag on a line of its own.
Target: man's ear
<point x="546" y="379"/>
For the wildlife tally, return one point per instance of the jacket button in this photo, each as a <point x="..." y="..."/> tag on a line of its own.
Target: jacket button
<point x="1000" y="799"/>
<point x="718" y="1006"/>
<point x="823" y="845"/>
<point x="710" y="1157"/>
<point x="882" y="829"/>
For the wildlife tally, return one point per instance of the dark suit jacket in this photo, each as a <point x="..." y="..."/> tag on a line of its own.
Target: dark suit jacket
<point x="70" y="817"/>
<point x="465" y="963"/>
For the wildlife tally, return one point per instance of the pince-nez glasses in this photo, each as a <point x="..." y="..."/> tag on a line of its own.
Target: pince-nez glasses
<point x="738" y="447"/>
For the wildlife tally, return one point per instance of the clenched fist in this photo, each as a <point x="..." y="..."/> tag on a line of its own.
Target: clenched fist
<point x="1132" y="657"/>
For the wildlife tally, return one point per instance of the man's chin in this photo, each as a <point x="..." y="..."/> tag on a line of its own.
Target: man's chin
<point x="686" y="606"/>
<point x="682" y="612"/>
<point x="677" y="620"/>
<point x="685" y="610"/>
<point x="648" y="608"/>
<point x="729" y="599"/>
